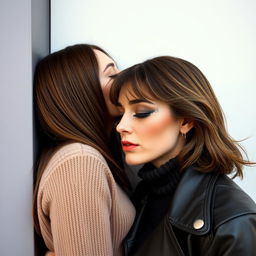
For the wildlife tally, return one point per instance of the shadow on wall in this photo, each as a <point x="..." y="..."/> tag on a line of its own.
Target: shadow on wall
<point x="40" y="142"/>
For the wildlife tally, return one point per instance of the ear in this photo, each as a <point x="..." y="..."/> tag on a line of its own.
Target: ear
<point x="186" y="126"/>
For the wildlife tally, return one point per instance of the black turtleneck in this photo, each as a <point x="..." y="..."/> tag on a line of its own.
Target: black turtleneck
<point x="152" y="198"/>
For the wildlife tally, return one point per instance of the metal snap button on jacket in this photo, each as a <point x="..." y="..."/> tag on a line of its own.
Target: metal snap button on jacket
<point x="198" y="224"/>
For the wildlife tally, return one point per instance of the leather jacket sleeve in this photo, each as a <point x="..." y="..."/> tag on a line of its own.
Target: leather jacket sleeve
<point x="235" y="237"/>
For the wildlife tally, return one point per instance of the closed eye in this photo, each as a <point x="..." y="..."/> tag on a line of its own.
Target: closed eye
<point x="143" y="114"/>
<point x="113" y="76"/>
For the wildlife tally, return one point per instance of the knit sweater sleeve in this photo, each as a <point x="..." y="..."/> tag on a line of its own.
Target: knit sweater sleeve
<point x="76" y="196"/>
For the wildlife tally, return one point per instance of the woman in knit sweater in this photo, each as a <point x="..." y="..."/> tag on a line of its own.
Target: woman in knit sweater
<point x="79" y="207"/>
<point x="186" y="205"/>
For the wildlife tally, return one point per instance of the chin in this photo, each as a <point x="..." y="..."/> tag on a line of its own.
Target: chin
<point x="133" y="161"/>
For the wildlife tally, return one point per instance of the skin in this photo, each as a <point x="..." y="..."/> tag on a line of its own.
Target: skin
<point x="107" y="69"/>
<point x="152" y="126"/>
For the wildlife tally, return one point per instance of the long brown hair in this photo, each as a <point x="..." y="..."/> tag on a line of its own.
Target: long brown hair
<point x="183" y="86"/>
<point x="70" y="107"/>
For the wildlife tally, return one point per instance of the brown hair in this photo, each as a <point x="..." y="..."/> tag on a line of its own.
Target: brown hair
<point x="183" y="86"/>
<point x="70" y="107"/>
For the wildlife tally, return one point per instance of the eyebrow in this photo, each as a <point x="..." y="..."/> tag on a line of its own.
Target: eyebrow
<point x="111" y="64"/>
<point x="136" y="101"/>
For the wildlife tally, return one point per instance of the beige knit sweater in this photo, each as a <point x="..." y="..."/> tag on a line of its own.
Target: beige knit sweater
<point x="82" y="211"/>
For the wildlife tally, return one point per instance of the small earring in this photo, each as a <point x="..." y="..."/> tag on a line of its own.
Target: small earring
<point x="184" y="135"/>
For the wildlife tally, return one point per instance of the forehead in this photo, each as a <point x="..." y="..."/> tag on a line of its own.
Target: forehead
<point x="102" y="59"/>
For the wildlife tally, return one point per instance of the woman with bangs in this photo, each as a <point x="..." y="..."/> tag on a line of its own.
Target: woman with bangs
<point x="186" y="204"/>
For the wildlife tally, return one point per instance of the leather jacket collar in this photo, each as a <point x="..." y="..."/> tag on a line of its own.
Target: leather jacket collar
<point x="196" y="197"/>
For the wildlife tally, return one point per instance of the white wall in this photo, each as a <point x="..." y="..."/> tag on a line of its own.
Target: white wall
<point x="218" y="36"/>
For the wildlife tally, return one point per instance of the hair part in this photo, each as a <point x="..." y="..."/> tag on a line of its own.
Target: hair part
<point x="187" y="91"/>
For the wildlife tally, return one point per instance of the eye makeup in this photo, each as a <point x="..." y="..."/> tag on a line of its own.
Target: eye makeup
<point x="139" y="110"/>
<point x="144" y="114"/>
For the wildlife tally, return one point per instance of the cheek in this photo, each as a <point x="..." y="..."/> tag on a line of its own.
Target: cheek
<point x="158" y="127"/>
<point x="105" y="91"/>
<point x="112" y="109"/>
<point x="105" y="85"/>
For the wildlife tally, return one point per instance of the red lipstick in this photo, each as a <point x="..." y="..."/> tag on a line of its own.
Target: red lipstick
<point x="128" y="146"/>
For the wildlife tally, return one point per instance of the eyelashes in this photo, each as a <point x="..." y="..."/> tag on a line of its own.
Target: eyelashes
<point x="136" y="115"/>
<point x="144" y="114"/>
<point x="113" y="76"/>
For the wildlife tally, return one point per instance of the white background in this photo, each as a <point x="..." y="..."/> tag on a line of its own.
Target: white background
<point x="218" y="36"/>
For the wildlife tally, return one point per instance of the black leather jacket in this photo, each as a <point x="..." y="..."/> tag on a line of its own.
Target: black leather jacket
<point x="209" y="215"/>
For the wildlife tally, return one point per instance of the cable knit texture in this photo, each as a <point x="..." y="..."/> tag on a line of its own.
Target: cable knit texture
<point x="81" y="209"/>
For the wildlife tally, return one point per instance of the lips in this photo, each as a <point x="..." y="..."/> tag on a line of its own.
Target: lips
<point x="128" y="146"/>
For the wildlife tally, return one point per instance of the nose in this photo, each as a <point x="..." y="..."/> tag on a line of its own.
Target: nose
<point x="124" y="125"/>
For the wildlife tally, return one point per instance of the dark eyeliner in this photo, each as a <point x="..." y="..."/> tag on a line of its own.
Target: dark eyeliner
<point x="143" y="114"/>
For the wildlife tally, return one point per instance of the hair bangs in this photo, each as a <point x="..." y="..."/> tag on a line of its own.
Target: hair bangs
<point x="135" y="81"/>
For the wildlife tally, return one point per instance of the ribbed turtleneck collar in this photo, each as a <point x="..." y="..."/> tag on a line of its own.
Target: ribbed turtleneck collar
<point x="152" y="199"/>
<point x="162" y="180"/>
